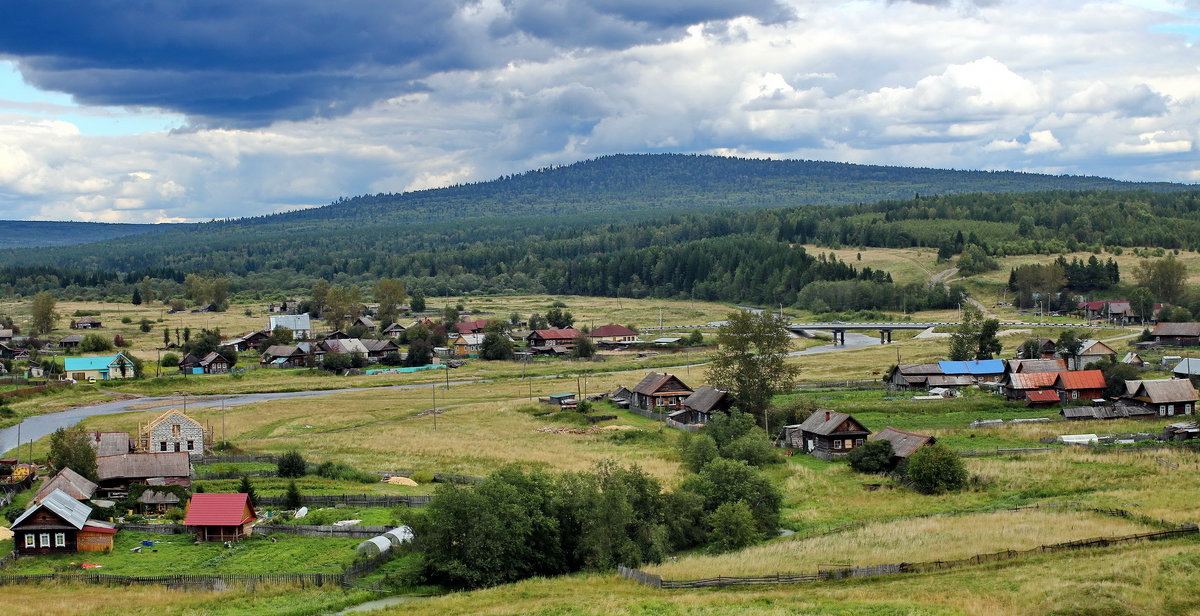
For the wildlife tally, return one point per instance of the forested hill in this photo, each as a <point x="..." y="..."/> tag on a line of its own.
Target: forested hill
<point x="30" y="233"/>
<point x="678" y="182"/>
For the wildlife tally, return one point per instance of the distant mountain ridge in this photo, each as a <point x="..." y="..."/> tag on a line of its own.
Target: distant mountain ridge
<point x="34" y="233"/>
<point x="615" y="185"/>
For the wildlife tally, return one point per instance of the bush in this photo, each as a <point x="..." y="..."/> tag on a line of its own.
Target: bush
<point x="423" y="476"/>
<point x="291" y="464"/>
<point x="95" y="343"/>
<point x="732" y="527"/>
<point x="345" y="472"/>
<point x="873" y="457"/>
<point x="127" y="320"/>
<point x="169" y="360"/>
<point x="144" y="326"/>
<point x="699" y="451"/>
<point x="728" y="481"/>
<point x="936" y="469"/>
<point x="753" y="448"/>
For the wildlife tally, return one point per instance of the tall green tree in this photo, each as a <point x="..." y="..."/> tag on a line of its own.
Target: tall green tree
<point x="753" y="360"/>
<point x="245" y="487"/>
<point x="496" y="345"/>
<point x="1165" y="278"/>
<point x="936" y="469"/>
<point x="988" y="344"/>
<point x="42" y="311"/>
<point x="69" y="448"/>
<point x="342" y="304"/>
<point x="417" y="303"/>
<point x="389" y="294"/>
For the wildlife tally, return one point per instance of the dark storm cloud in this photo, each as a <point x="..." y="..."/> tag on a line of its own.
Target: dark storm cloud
<point x="250" y="63"/>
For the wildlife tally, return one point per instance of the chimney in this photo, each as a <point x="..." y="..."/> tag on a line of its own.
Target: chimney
<point x="826" y="415"/>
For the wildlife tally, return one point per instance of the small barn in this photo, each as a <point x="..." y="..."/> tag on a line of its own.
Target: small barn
<point x="219" y="517"/>
<point x="826" y="434"/>
<point x="153" y="501"/>
<point x="699" y="407"/>
<point x="70" y="483"/>
<point x="904" y="444"/>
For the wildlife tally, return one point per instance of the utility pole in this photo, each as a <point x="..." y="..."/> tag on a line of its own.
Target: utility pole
<point x="223" y="421"/>
<point x="434" y="409"/>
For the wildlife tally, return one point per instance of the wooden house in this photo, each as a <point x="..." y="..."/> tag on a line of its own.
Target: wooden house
<point x="59" y="524"/>
<point x="904" y="444"/>
<point x="86" y="323"/>
<point x="1177" y="334"/>
<point x="109" y="443"/>
<point x="292" y="356"/>
<point x="299" y="324"/>
<point x="1017" y="366"/>
<point x="660" y="392"/>
<point x="6" y="334"/>
<point x="71" y="342"/>
<point x="553" y="337"/>
<point x="154" y="501"/>
<point x="174" y="432"/>
<point x="190" y="364"/>
<point x="7" y="352"/>
<point x="1091" y="351"/>
<point x="467" y="344"/>
<point x="979" y="370"/>
<point x="1167" y="397"/>
<point x="826" y="434"/>
<point x="471" y="327"/>
<point x="247" y="342"/>
<point x="1041" y="397"/>
<point x="70" y="483"/>
<point x="1080" y="385"/>
<point x="103" y="368"/>
<point x="116" y="473"/>
<point x="378" y="349"/>
<point x="613" y="333"/>
<point x="395" y="331"/>
<point x="699" y="407"/>
<point x="1017" y="385"/>
<point x="912" y="376"/>
<point x="219" y="517"/>
<point x="1046" y="349"/>
<point x="1135" y="360"/>
<point x="365" y="322"/>
<point x="214" y="363"/>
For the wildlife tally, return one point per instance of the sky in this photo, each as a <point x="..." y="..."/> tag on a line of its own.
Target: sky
<point x="165" y="111"/>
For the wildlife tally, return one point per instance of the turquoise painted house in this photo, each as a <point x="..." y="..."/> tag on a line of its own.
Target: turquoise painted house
<point x="106" y="368"/>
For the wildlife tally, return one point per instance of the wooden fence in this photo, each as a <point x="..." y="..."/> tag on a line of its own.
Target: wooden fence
<point x="671" y="423"/>
<point x="655" y="581"/>
<point x="972" y="453"/>
<point x="350" y="532"/>
<point x="25" y="391"/>
<point x="647" y="414"/>
<point x="162" y="529"/>
<point x="186" y="582"/>
<point x="362" y="500"/>
<point x="851" y="385"/>
<point x="238" y="459"/>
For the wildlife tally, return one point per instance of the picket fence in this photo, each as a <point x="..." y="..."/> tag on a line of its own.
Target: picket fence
<point x="364" y="500"/>
<point x="349" y="532"/>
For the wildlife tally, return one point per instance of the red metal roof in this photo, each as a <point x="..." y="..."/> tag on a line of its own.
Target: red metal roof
<point x="207" y="509"/>
<point x="1042" y="395"/>
<point x="612" y="330"/>
<point x="557" y="334"/>
<point x="1082" y="379"/>
<point x="1033" y="380"/>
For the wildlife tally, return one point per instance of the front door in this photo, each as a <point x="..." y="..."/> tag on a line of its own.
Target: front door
<point x="811" y="445"/>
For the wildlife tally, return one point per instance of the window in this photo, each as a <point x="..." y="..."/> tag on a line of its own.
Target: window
<point x="30" y="540"/>
<point x="1074" y="395"/>
<point x="1187" y="409"/>
<point x="837" y="444"/>
<point x="191" y="445"/>
<point x="859" y="442"/>
<point x="1162" y="409"/>
<point x="60" y="540"/>
<point x="849" y="444"/>
<point x="44" y="539"/>
<point x="176" y="429"/>
<point x="162" y="446"/>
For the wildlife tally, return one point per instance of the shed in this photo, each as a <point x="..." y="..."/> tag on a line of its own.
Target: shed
<point x="153" y="501"/>
<point x="69" y="482"/>
<point x="1041" y="397"/>
<point x="904" y="444"/>
<point x="219" y="517"/>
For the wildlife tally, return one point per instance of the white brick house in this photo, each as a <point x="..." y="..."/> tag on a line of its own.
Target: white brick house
<point x="173" y="431"/>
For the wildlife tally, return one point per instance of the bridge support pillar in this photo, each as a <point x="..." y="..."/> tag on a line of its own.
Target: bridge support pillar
<point x="839" y="337"/>
<point x="885" y="336"/>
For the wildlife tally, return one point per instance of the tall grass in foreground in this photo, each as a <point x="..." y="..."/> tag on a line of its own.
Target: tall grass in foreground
<point x="914" y="540"/>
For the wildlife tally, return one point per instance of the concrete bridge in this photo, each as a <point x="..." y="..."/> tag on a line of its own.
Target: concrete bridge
<point x="885" y="329"/>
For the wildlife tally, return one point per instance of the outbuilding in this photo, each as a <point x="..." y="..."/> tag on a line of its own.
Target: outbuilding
<point x="219" y="517"/>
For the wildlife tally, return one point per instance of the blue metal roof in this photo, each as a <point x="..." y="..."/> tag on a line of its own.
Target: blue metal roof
<point x="982" y="366"/>
<point x="89" y="363"/>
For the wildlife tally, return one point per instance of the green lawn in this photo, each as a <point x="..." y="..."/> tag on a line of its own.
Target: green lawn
<point x="176" y="554"/>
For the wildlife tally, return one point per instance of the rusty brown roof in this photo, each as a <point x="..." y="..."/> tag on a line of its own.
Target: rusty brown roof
<point x="1162" y="391"/>
<point x="75" y="485"/>
<point x="705" y="399"/>
<point x="654" y="382"/>
<point x="143" y="465"/>
<point x="826" y="422"/>
<point x="903" y="443"/>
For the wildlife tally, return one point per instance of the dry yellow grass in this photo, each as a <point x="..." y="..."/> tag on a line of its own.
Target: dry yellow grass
<point x="914" y="540"/>
<point x="593" y="311"/>
<point x="379" y="428"/>
<point x="906" y="265"/>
